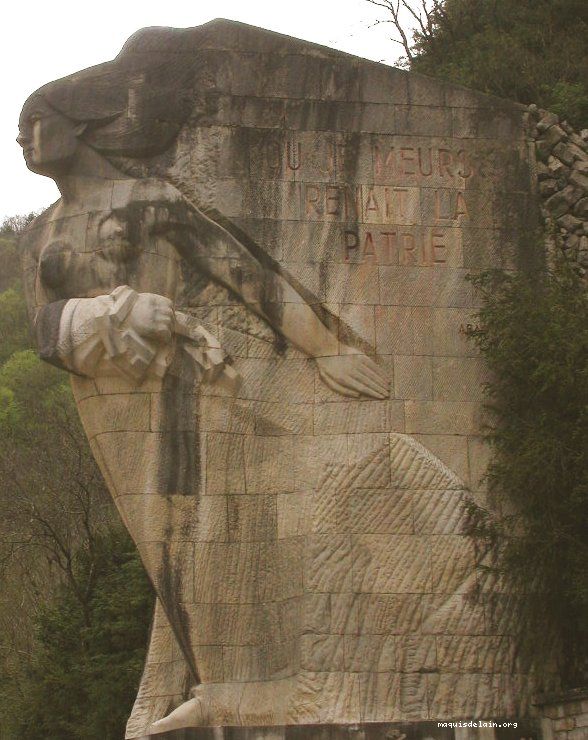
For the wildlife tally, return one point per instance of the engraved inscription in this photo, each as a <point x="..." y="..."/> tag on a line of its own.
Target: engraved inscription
<point x="402" y="246"/>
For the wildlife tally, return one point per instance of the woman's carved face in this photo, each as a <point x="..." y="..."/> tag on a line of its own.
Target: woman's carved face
<point x="49" y="139"/>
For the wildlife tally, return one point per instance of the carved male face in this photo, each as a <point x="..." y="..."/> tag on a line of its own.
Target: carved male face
<point x="48" y="138"/>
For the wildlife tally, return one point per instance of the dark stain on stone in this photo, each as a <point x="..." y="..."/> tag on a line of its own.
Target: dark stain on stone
<point x="193" y="284"/>
<point x="329" y="319"/>
<point x="171" y="593"/>
<point x="47" y="332"/>
<point x="54" y="264"/>
<point x="177" y="222"/>
<point x="179" y="468"/>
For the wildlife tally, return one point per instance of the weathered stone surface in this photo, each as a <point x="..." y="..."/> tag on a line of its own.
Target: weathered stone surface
<point x="557" y="167"/>
<point x="543" y="171"/>
<point x="261" y="293"/>
<point x="579" y="179"/>
<point x="571" y="243"/>
<point x="548" y="187"/>
<point x="560" y="203"/>
<point x="565" y="715"/>
<point x="569" y="222"/>
<point x="553" y="135"/>
<point x="546" y="121"/>
<point x="564" y="153"/>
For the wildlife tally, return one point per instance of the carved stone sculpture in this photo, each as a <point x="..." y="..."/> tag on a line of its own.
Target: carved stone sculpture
<point x="256" y="278"/>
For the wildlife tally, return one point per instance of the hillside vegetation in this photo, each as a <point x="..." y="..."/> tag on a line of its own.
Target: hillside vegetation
<point x="75" y="604"/>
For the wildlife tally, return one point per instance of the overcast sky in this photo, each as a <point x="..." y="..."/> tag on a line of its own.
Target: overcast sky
<point x="42" y="41"/>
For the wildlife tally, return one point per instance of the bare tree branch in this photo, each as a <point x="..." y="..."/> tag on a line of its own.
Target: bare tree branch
<point x="417" y="16"/>
<point x="393" y="7"/>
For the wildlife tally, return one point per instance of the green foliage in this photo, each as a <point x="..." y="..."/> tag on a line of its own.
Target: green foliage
<point x="569" y="100"/>
<point x="532" y="51"/>
<point x="533" y="333"/>
<point x="87" y="666"/>
<point x="36" y="394"/>
<point x="9" y="261"/>
<point x="14" y="328"/>
<point x="71" y="654"/>
<point x="15" y="224"/>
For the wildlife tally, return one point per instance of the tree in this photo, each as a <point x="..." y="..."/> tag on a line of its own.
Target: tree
<point x="53" y="498"/>
<point x="9" y="255"/>
<point x="533" y="333"/>
<point x="83" y="677"/>
<point x="533" y="329"/>
<point x="14" y="328"/>
<point x="531" y="51"/>
<point x="74" y="601"/>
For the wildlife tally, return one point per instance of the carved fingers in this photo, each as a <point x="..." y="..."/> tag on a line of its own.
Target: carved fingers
<point x="152" y="316"/>
<point x="354" y="375"/>
<point x="163" y="317"/>
<point x="337" y="387"/>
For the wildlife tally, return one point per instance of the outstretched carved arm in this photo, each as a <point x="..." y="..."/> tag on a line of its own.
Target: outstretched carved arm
<point x="217" y="253"/>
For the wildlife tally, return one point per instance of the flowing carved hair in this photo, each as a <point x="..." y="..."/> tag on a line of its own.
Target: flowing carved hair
<point x="135" y="105"/>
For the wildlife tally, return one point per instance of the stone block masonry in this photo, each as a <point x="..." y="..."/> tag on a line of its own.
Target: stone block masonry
<point x="313" y="217"/>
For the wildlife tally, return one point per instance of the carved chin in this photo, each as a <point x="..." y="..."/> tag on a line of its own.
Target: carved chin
<point x="29" y="160"/>
<point x="39" y="168"/>
<point x="46" y="166"/>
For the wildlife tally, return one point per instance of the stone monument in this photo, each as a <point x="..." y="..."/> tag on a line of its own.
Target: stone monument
<point x="256" y="276"/>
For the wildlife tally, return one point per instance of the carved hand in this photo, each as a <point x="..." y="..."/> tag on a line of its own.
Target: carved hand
<point x="152" y="317"/>
<point x="353" y="375"/>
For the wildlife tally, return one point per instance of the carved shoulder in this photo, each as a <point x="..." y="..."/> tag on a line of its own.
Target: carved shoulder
<point x="30" y="239"/>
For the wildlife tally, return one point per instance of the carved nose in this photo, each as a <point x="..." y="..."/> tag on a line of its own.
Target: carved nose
<point x="21" y="139"/>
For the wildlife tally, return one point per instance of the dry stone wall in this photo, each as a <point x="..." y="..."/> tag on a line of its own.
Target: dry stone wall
<point x="565" y="717"/>
<point x="562" y="172"/>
